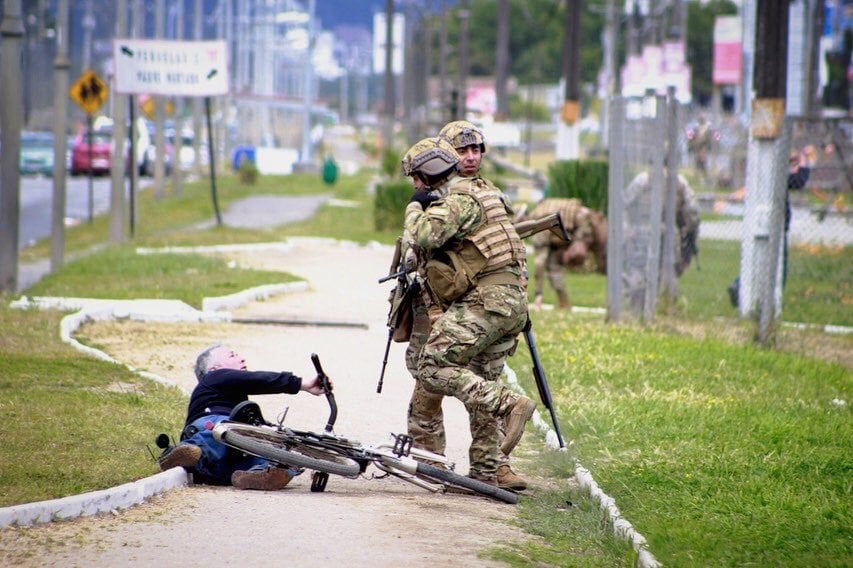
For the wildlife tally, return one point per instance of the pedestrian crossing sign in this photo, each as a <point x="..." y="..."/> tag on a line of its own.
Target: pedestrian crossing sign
<point x="89" y="91"/>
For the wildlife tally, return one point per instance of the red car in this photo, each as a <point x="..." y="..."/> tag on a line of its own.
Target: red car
<point x="101" y="153"/>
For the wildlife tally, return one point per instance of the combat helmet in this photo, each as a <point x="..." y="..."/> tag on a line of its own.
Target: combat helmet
<point x="462" y="133"/>
<point x="433" y="157"/>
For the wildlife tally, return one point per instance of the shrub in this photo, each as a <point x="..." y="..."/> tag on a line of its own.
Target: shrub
<point x="390" y="204"/>
<point x="248" y="172"/>
<point x="583" y="179"/>
<point x="391" y="165"/>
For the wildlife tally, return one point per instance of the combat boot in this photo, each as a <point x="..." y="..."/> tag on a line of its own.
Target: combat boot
<point x="515" y="420"/>
<point x="563" y="299"/>
<point x="508" y="479"/>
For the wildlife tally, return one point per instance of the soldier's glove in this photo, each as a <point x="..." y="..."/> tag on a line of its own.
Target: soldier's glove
<point x="425" y="198"/>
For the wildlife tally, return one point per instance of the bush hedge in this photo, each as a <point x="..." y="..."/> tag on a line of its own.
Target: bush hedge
<point x="583" y="179"/>
<point x="390" y="202"/>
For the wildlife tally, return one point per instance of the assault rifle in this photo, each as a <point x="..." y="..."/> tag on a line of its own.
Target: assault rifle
<point x="552" y="222"/>
<point x="400" y="300"/>
<point x="541" y="381"/>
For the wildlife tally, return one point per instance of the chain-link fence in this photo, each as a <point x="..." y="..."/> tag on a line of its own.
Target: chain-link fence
<point x="691" y="227"/>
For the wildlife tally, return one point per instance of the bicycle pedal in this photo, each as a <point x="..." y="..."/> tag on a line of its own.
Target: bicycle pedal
<point x="319" y="481"/>
<point x="402" y="445"/>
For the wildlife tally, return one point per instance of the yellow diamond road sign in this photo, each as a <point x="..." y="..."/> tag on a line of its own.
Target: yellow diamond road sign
<point x="89" y="92"/>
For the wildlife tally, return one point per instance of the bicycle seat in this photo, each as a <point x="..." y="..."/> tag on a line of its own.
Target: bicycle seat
<point x="247" y="412"/>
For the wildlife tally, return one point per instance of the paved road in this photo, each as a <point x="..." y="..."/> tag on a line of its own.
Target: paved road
<point x="37" y="204"/>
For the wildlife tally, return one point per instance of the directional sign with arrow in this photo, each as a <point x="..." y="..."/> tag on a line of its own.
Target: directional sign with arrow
<point x="89" y="92"/>
<point x="174" y="68"/>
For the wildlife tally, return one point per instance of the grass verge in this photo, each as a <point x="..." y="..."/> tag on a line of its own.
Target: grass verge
<point x="719" y="454"/>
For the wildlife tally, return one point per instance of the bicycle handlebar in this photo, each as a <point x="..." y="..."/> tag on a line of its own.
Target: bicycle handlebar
<point x="327" y="388"/>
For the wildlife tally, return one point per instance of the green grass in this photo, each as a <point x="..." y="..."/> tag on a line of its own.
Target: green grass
<point x="72" y="423"/>
<point x="719" y="454"/>
<point x="120" y="273"/>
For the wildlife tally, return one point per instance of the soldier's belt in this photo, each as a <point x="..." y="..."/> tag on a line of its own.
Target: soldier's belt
<point x="498" y="278"/>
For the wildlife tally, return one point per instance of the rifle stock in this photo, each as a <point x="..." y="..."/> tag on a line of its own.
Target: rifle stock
<point x="552" y="222"/>
<point x="541" y="381"/>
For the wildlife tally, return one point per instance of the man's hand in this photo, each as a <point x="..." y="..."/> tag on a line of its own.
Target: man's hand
<point x="314" y="386"/>
<point x="425" y="198"/>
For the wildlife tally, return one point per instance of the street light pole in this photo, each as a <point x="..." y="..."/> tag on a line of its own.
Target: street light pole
<point x="60" y="105"/>
<point x="11" y="107"/>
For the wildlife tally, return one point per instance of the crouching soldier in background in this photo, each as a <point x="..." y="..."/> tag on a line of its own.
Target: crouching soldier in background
<point x="553" y="255"/>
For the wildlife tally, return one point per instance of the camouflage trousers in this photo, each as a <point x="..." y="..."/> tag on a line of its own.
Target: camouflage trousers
<point x="464" y="357"/>
<point x="547" y="261"/>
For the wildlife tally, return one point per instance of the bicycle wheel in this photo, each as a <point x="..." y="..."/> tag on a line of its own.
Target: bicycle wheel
<point x="293" y="454"/>
<point x="452" y="478"/>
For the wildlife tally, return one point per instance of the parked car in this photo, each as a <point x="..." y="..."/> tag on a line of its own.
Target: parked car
<point x="101" y="142"/>
<point x="36" y="153"/>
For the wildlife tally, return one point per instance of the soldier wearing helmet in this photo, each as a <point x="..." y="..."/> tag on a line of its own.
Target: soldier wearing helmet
<point x="473" y="271"/>
<point x="552" y="255"/>
<point x="469" y="143"/>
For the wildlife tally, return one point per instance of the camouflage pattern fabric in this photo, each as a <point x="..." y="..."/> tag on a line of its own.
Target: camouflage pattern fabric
<point x="464" y="356"/>
<point x="425" y="418"/>
<point x="468" y="343"/>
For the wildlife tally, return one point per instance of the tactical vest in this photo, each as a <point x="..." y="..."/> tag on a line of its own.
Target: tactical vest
<point x="482" y="257"/>
<point x="495" y="238"/>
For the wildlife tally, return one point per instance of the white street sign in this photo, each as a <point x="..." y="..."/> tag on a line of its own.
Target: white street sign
<point x="177" y="68"/>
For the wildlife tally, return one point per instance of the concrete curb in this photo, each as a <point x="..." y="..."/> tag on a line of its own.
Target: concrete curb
<point x="622" y="528"/>
<point x="86" y="504"/>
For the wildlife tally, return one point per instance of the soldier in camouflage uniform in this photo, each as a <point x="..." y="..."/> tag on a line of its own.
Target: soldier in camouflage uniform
<point x="425" y="417"/>
<point x="476" y="297"/>
<point x="588" y="231"/>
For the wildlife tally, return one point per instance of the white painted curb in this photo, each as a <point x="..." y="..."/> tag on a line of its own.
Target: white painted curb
<point x="86" y="504"/>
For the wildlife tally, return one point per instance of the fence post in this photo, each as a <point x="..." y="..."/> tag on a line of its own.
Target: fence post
<point x="658" y="132"/>
<point x="668" y="283"/>
<point x="615" y="185"/>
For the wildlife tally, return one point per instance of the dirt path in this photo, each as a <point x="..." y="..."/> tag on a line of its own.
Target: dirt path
<point x="355" y="522"/>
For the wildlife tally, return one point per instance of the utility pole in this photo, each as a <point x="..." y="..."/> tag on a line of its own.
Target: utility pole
<point x="568" y="132"/>
<point x="11" y="111"/>
<point x="305" y="155"/>
<point x="177" y="173"/>
<point x="442" y="65"/>
<point x="159" y="113"/>
<point x="464" y="14"/>
<point x="197" y="101"/>
<point x="767" y="171"/>
<point x="390" y="100"/>
<point x="502" y="60"/>
<point x="117" y="187"/>
<point x="410" y="77"/>
<point x="611" y="68"/>
<point x="60" y="137"/>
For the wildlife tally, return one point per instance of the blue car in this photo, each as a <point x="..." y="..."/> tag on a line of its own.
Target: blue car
<point x="36" y="153"/>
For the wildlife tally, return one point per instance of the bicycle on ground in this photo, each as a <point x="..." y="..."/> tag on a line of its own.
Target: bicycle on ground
<point x="328" y="453"/>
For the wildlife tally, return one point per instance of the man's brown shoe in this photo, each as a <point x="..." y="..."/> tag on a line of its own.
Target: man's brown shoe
<point x="515" y="420"/>
<point x="508" y="479"/>
<point x="183" y="455"/>
<point x="271" y="479"/>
